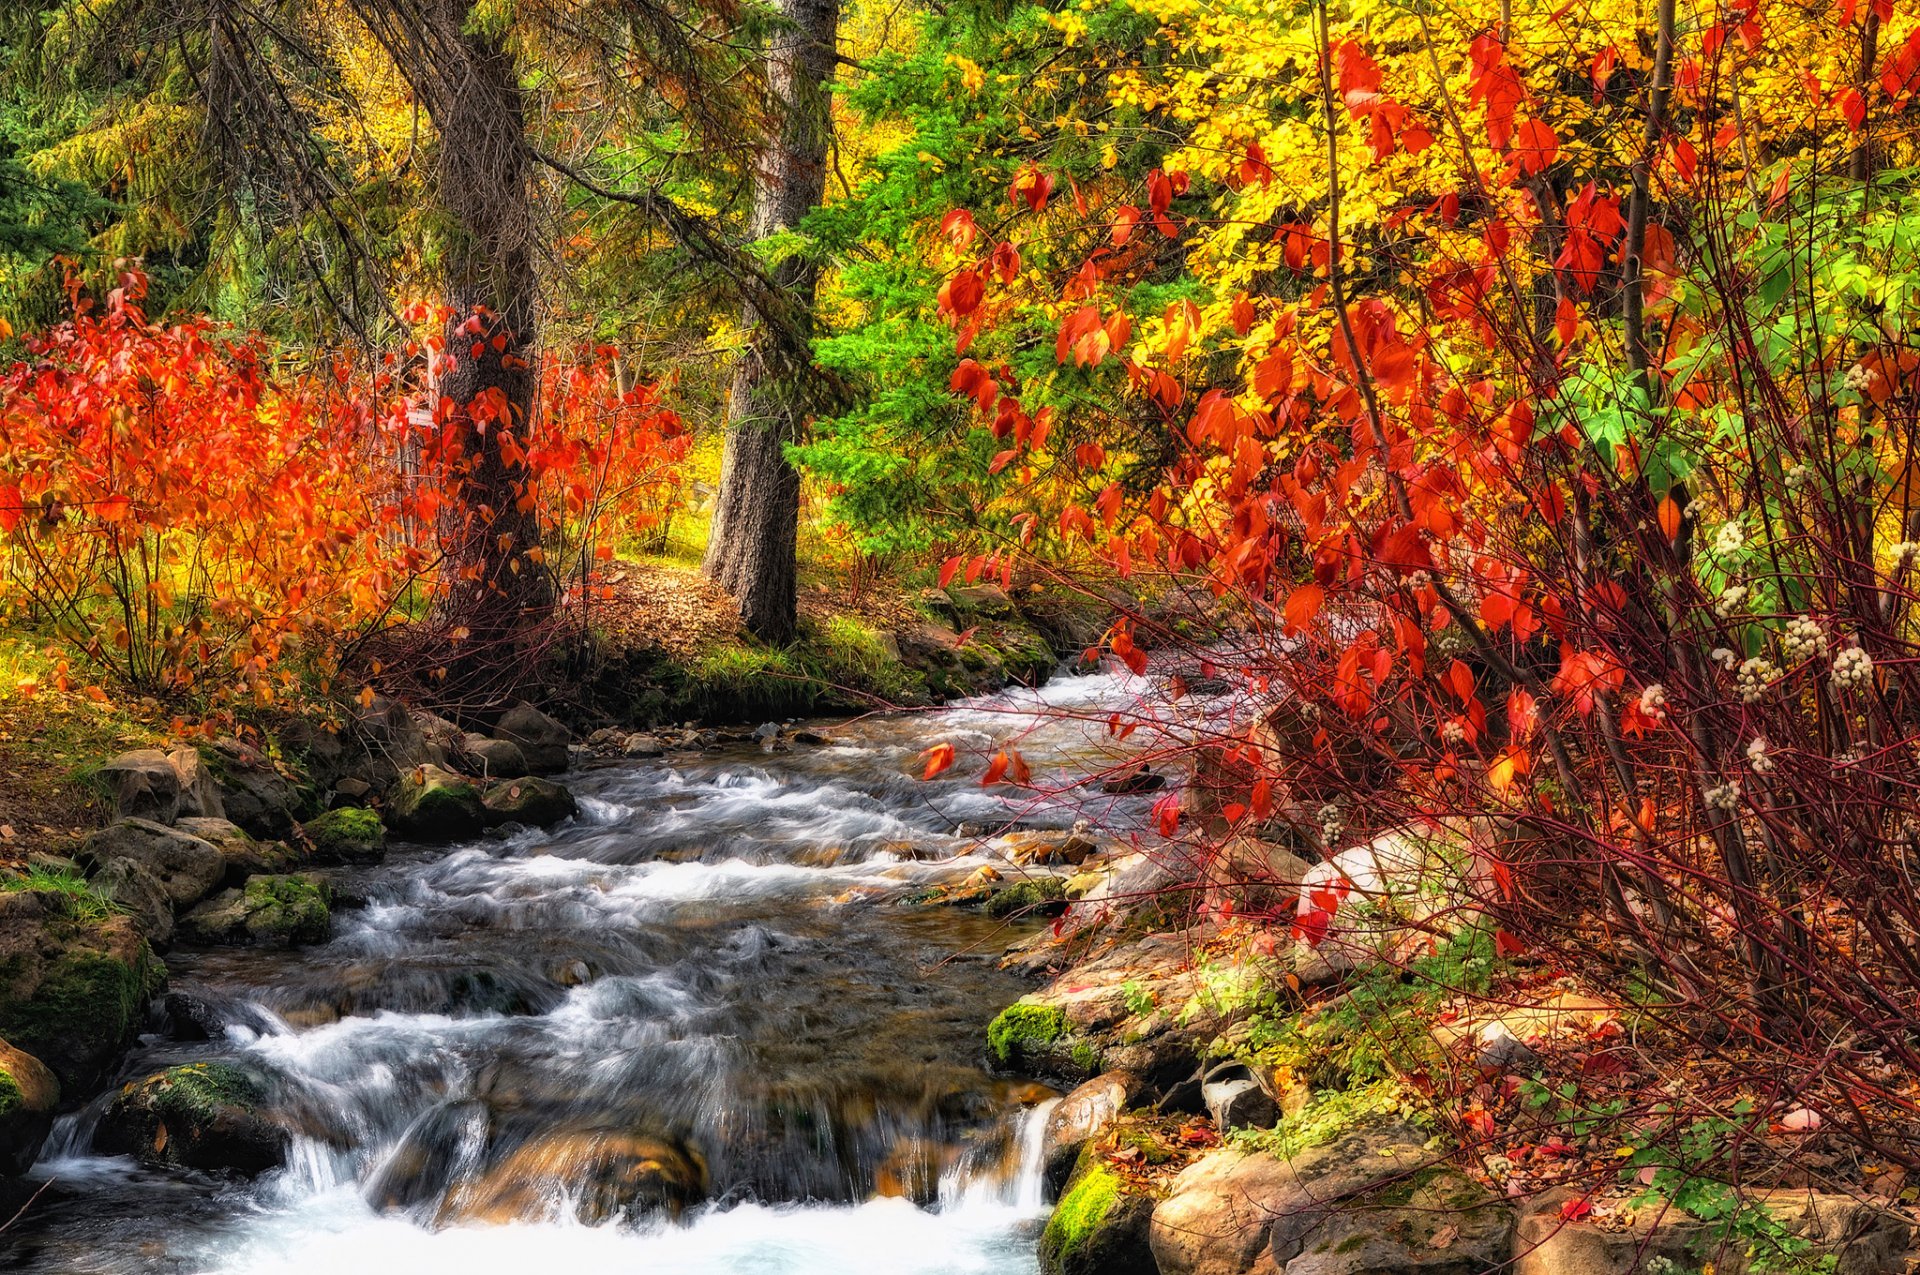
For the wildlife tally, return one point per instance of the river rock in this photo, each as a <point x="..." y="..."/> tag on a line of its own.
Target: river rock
<point x="1100" y="1227"/>
<point x="197" y="1116"/>
<point x="269" y="911"/>
<point x="245" y="856"/>
<point x="141" y="895"/>
<point x="537" y="802"/>
<point x="431" y="804"/>
<point x="1439" y="1222"/>
<point x="74" y="984"/>
<point x="1044" y="846"/>
<point x="1860" y="1238"/>
<point x="350" y="834"/>
<point x="644" y="747"/>
<point x="1232" y="1211"/>
<point x="602" y="1174"/>
<point x="1083" y="1115"/>
<point x="542" y="740"/>
<point x="143" y="785"/>
<point x="29" y="1097"/>
<point x="185" y="866"/>
<point x="253" y="792"/>
<point x="495" y="758"/>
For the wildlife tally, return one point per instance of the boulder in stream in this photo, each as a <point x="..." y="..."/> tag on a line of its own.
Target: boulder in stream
<point x="494" y="758"/>
<point x="537" y="802"/>
<point x="29" y="1097"/>
<point x="431" y="804"/>
<point x="1099" y="1227"/>
<point x="542" y="740"/>
<point x="349" y="834"/>
<point x="1083" y="1115"/>
<point x="599" y="1174"/>
<point x="198" y="1116"/>
<point x="185" y="866"/>
<point x="268" y="911"/>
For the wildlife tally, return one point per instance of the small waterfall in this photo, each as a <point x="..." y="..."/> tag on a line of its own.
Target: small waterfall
<point x="1007" y="1173"/>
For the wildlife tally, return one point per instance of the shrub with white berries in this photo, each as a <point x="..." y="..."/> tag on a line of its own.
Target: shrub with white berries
<point x="1755" y="678"/>
<point x="1653" y="702"/>
<point x="1797" y="476"/>
<point x="1724" y="657"/>
<point x="1853" y="667"/>
<point x="1724" y="796"/>
<point x="1729" y="600"/>
<point x="1331" y="824"/>
<point x="1730" y="539"/>
<point x="1758" y="757"/>
<point x="1803" y="640"/>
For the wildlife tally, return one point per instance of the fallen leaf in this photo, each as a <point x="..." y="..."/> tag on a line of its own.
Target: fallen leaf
<point x="1445" y="1236"/>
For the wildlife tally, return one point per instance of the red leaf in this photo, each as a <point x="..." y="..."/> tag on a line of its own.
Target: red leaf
<point x="949" y="569"/>
<point x="939" y="758"/>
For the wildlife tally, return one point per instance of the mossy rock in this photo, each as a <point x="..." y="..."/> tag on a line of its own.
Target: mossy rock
<point x="268" y="911"/>
<point x="431" y="804"/>
<point x="1098" y="1228"/>
<point x="1036" y="896"/>
<point x="73" y="987"/>
<point x="351" y="834"/>
<point x="200" y="1116"/>
<point x="29" y="1097"/>
<point x="540" y="803"/>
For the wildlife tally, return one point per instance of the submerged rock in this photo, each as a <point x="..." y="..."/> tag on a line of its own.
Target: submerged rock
<point x="1035" y="896"/>
<point x="595" y="1174"/>
<point x="538" y="802"/>
<point x="29" y="1097"/>
<point x="351" y="834"/>
<point x="74" y="983"/>
<point x="185" y="866"/>
<point x="431" y="804"/>
<point x="197" y="1116"/>
<point x="269" y="911"/>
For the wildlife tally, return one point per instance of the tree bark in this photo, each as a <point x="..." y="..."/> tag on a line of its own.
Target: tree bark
<point x="751" y="550"/>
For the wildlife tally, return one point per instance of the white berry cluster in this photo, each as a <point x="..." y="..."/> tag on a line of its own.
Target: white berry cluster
<point x="1803" y="640"/>
<point x="1758" y="757"/>
<point x="1653" y="702"/>
<point x="1724" y="796"/>
<point x="1905" y="553"/>
<point x="1755" y="678"/>
<point x="1729" y="600"/>
<point x="1331" y="824"/>
<point x="1859" y="378"/>
<point x="1724" y="657"/>
<point x="1797" y="477"/>
<point x="1453" y="732"/>
<point x="1853" y="667"/>
<point x="1730" y="539"/>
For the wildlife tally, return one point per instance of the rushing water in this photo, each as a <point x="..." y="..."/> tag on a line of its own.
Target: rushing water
<point x="711" y="968"/>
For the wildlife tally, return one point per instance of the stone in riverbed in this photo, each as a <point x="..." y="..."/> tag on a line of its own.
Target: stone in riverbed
<point x="350" y="834"/>
<point x="1098" y="1228"/>
<point x="140" y="895"/>
<point x="542" y="740"/>
<point x="606" y="1173"/>
<point x="431" y="804"/>
<point x="269" y="911"/>
<point x="494" y="758"/>
<point x="253" y="792"/>
<point x="538" y="802"/>
<point x="197" y="1116"/>
<point x="1083" y="1115"/>
<point x="29" y="1096"/>
<point x="185" y="866"/>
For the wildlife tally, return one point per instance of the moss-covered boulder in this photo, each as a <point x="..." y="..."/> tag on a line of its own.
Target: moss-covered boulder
<point x="1036" y="1040"/>
<point x="1035" y="896"/>
<point x="537" y="802"/>
<point x="29" y="1097"/>
<point x="198" y="1116"/>
<point x="268" y="911"/>
<point x="1099" y="1227"/>
<point x="431" y="804"/>
<point x="75" y="979"/>
<point x="351" y="834"/>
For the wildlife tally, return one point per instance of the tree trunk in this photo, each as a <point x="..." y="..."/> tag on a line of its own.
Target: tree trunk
<point x="752" y="545"/>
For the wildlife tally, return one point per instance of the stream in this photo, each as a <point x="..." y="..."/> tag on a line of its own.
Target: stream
<point x="710" y="970"/>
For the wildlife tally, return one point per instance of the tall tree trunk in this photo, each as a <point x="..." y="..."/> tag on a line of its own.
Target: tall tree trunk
<point x="466" y="79"/>
<point x="752" y="545"/>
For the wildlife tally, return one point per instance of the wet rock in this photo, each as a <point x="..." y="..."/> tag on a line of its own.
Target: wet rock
<point x="1050" y="847"/>
<point x="1035" y="896"/>
<point x="431" y="804"/>
<point x="542" y="740"/>
<point x="185" y="866"/>
<point x="600" y="1174"/>
<point x="199" y="790"/>
<point x="200" y="1014"/>
<point x="1082" y="1116"/>
<point x="1231" y="1212"/>
<point x="1099" y="1227"/>
<point x="272" y="911"/>
<point x="141" y="895"/>
<point x="29" y="1097"/>
<point x="143" y="785"/>
<point x="537" y="802"/>
<point x="199" y="1116"/>
<point x="351" y="834"/>
<point x="74" y="984"/>
<point x="1859" y="1238"/>
<point x="1438" y="1222"/>
<point x="643" y="747"/>
<point x="1133" y="780"/>
<point x="253" y="792"/>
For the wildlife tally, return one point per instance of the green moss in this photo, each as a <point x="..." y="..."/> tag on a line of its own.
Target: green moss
<point x="86" y="1003"/>
<point x="1033" y="894"/>
<point x="10" y="1096"/>
<point x="1023" y="1026"/>
<point x="1086" y="1057"/>
<point x="1080" y="1213"/>
<point x="351" y="832"/>
<point x="287" y="909"/>
<point x="194" y="1093"/>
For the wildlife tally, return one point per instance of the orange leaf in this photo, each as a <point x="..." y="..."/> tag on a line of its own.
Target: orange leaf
<point x="939" y="758"/>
